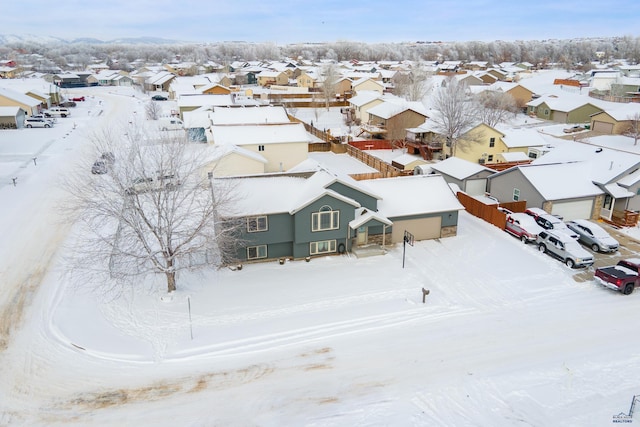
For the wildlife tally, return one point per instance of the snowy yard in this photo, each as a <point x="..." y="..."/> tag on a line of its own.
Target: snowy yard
<point x="507" y="337"/>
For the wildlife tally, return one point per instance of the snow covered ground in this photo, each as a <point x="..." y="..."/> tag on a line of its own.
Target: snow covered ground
<point x="507" y="337"/>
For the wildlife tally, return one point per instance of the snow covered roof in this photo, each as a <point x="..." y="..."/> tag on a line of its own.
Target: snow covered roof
<point x="515" y="156"/>
<point x="390" y="108"/>
<point x="9" y="111"/>
<point x="602" y="164"/>
<point x="187" y="100"/>
<point x="260" y="134"/>
<point x="18" y="97"/>
<point x="364" y="97"/>
<point x="514" y="138"/>
<point x="622" y="112"/>
<point x="364" y="215"/>
<point x="413" y="195"/>
<point x="459" y="168"/>
<point x="575" y="178"/>
<point x="249" y="115"/>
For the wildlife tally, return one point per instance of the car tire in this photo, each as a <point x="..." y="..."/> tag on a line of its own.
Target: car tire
<point x="523" y="239"/>
<point x="569" y="263"/>
<point x="628" y="289"/>
<point x="29" y="126"/>
<point x="542" y="248"/>
<point x="47" y="126"/>
<point x="595" y="247"/>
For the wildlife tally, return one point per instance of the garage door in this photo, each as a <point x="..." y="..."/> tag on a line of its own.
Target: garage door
<point x="559" y="117"/>
<point x="476" y="187"/>
<point x="603" y="127"/>
<point x="422" y="229"/>
<point x="580" y="209"/>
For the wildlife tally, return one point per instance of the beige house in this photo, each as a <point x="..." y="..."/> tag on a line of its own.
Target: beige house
<point x="368" y="85"/>
<point x="308" y="79"/>
<point x="11" y="98"/>
<point x="615" y="121"/>
<point x="519" y="93"/>
<point x="283" y="146"/>
<point x="362" y="102"/>
<point x="272" y="78"/>
<point x="480" y="144"/>
<point x="231" y="160"/>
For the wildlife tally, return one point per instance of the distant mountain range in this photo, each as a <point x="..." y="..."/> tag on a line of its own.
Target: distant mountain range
<point x="33" y="38"/>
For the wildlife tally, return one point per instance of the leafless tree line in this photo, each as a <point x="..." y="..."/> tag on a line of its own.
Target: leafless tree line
<point x="566" y="53"/>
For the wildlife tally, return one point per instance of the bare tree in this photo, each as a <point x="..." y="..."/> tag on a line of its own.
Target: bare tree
<point x="413" y="85"/>
<point x="495" y="107"/>
<point x="153" y="110"/>
<point x="633" y="130"/>
<point x="153" y="212"/>
<point x="456" y="111"/>
<point x="330" y="80"/>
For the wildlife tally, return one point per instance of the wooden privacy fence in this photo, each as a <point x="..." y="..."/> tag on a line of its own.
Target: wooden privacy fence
<point x="490" y="213"/>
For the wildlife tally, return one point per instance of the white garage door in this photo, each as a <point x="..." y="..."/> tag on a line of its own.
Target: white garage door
<point x="476" y="187"/>
<point x="603" y="127"/>
<point x="422" y="229"/>
<point x="580" y="209"/>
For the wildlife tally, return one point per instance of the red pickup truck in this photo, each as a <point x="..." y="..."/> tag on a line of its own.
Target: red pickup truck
<point x="622" y="277"/>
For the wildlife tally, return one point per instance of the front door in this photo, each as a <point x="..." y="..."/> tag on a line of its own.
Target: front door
<point x="362" y="236"/>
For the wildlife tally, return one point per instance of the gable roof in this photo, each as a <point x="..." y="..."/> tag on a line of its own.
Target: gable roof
<point x="260" y="134"/>
<point x="249" y="115"/>
<point x="459" y="168"/>
<point x="398" y="195"/>
<point x="18" y="97"/>
<point x="390" y="108"/>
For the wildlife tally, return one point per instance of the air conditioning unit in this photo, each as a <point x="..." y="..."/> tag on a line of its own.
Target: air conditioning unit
<point x="481" y="161"/>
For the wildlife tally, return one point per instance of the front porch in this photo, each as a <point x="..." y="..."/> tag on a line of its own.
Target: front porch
<point x="365" y="251"/>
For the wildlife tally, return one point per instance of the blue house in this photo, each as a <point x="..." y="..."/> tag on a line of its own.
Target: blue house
<point x="317" y="213"/>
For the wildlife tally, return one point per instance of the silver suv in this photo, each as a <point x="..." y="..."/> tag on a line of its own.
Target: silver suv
<point x="38" y="122"/>
<point x="565" y="248"/>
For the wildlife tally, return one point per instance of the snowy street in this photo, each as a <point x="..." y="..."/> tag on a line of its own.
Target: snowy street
<point x="508" y="336"/>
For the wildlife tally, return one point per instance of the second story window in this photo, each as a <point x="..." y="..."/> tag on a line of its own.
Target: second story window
<point x="492" y="142"/>
<point x="325" y="219"/>
<point x="257" y="223"/>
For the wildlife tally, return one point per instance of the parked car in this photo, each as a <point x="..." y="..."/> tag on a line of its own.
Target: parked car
<point x="170" y="123"/>
<point x="162" y="182"/>
<point x="159" y="98"/>
<point x="59" y="112"/>
<point x="576" y="128"/>
<point x="99" y="167"/>
<point x="564" y="248"/>
<point x="77" y="99"/>
<point x="621" y="277"/>
<point x="522" y="226"/>
<point x="67" y="104"/>
<point x="38" y="122"/>
<point x="550" y="222"/>
<point x="593" y="236"/>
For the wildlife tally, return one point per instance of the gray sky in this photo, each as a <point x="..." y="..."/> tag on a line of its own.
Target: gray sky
<point x="289" y="21"/>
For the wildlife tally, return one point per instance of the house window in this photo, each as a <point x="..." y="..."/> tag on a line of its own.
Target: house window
<point x="490" y="158"/>
<point x="260" y="147"/>
<point x="326" y="219"/>
<point x="492" y="142"/>
<point x="546" y="112"/>
<point x="323" y="247"/>
<point x="516" y="194"/>
<point x="257" y="223"/>
<point x="257" y="252"/>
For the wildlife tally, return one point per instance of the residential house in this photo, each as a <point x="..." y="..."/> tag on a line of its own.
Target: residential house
<point x="362" y="102"/>
<point x="12" y="98"/>
<point x="469" y="177"/>
<point x="305" y="215"/>
<point x="394" y="116"/>
<point x="282" y="145"/>
<point x="368" y="85"/>
<point x="518" y="92"/>
<point x="12" y="117"/>
<point x="308" y="78"/>
<point x="480" y="143"/>
<point x="45" y="99"/>
<point x="407" y="162"/>
<point x="565" y="109"/>
<point x="272" y="78"/>
<point x="564" y="189"/>
<point x="616" y="120"/>
<point x="159" y="82"/>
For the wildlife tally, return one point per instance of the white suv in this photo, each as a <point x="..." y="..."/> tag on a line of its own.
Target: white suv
<point x="38" y="122"/>
<point x="564" y="248"/>
<point x="59" y="111"/>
